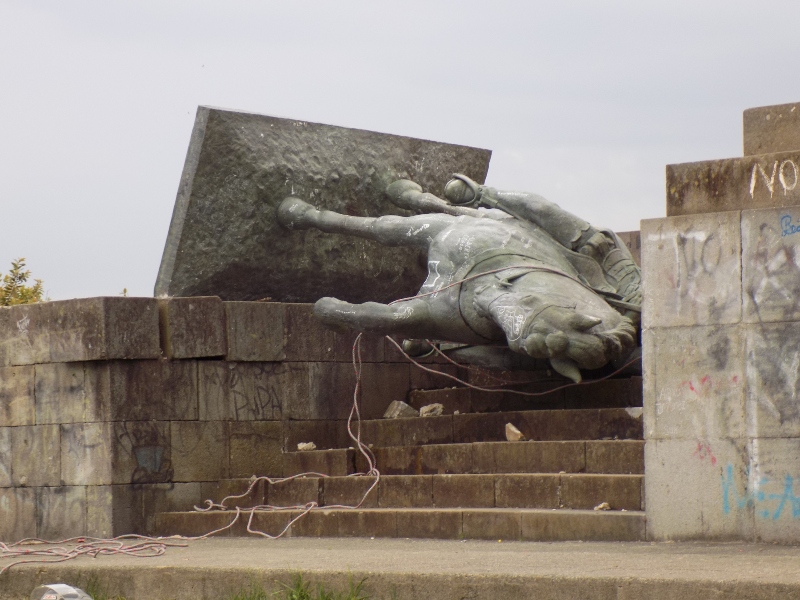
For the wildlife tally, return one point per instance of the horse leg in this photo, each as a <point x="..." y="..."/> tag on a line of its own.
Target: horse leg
<point x="411" y="318"/>
<point x="389" y="230"/>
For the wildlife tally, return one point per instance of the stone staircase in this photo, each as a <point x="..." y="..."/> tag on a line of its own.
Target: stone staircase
<point x="456" y="477"/>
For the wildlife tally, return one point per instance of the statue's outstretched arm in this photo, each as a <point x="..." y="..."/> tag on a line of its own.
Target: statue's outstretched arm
<point x="569" y="230"/>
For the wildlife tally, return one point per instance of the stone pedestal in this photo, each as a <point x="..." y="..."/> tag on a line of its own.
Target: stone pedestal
<point x="721" y="326"/>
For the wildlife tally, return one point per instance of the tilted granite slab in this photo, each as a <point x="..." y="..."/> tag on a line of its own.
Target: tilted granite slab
<point x="224" y="239"/>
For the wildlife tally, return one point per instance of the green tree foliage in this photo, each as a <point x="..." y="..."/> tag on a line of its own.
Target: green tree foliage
<point x="14" y="289"/>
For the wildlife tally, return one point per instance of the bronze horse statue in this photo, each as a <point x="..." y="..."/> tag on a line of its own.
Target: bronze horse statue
<point x="506" y="270"/>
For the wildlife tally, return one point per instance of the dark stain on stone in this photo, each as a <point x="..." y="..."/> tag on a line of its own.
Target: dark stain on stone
<point x="719" y="352"/>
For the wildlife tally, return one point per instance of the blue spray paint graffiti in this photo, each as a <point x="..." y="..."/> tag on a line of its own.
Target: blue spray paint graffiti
<point x="767" y="505"/>
<point x="787" y="227"/>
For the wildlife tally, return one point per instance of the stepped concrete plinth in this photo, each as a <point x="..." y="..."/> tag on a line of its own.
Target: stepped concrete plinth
<point x="720" y="350"/>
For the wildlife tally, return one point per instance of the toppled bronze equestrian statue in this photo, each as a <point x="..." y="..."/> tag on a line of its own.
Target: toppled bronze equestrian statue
<point x="506" y="270"/>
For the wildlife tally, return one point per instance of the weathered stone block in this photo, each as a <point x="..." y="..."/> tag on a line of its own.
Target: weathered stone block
<point x="36" y="455"/>
<point x="5" y="457"/>
<point x="491" y="525"/>
<point x="436" y="378"/>
<point x="773" y="355"/>
<point x="372" y="347"/>
<point x="405" y="491"/>
<point x="142" y="452"/>
<point x="172" y="497"/>
<point x="113" y="510"/>
<point x="612" y="393"/>
<point x="584" y="525"/>
<point x="771" y="129"/>
<point x="318" y="523"/>
<point x="582" y="491"/>
<point x="307" y="339"/>
<point x="774" y="489"/>
<point x="61" y="393"/>
<point x="699" y="372"/>
<point x="294" y="492"/>
<point x="143" y="390"/>
<point x="336" y="463"/>
<point x="474" y="491"/>
<point x="698" y="489"/>
<point x="453" y="399"/>
<point x="762" y="181"/>
<point x="692" y="270"/>
<point x="255" y="331"/>
<point x="225" y="240"/>
<point x="87" y="453"/>
<point x="384" y="432"/>
<point x="367" y="523"/>
<point x="396" y="460"/>
<point x="79" y="330"/>
<point x="330" y="393"/>
<point x="17" y="396"/>
<point x="438" y="524"/>
<point x="255" y="448"/>
<point x="350" y="491"/>
<point x="527" y="491"/>
<point x="615" y="456"/>
<point x="24" y="334"/>
<point x="17" y="514"/>
<point x="200" y="450"/>
<point x="771" y="265"/>
<point x="428" y="430"/>
<point x="60" y="512"/>
<point x="324" y="434"/>
<point x="381" y="384"/>
<point x="447" y="458"/>
<point x="192" y="327"/>
<point x="242" y="391"/>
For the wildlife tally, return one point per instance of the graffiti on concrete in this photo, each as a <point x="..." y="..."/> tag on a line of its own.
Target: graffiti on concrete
<point x="784" y="171"/>
<point x="771" y="499"/>
<point x="787" y="227"/>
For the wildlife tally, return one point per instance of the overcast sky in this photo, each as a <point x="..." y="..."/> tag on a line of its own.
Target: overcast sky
<point x="583" y="102"/>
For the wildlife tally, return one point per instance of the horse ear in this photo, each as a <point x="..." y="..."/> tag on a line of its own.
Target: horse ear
<point x="567" y="368"/>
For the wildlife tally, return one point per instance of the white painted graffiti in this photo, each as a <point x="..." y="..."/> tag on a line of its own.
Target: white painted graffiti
<point x="433" y="274"/>
<point x="412" y="231"/>
<point x="785" y="172"/>
<point x="22" y="324"/>
<point x="511" y="319"/>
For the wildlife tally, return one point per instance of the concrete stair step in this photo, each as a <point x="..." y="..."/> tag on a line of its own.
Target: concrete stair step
<point x="611" y="393"/>
<point x="521" y="490"/>
<point x="539" y="425"/>
<point x="440" y="523"/>
<point x="594" y="456"/>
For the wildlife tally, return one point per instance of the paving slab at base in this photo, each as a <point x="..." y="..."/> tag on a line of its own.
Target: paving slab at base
<point x="437" y="570"/>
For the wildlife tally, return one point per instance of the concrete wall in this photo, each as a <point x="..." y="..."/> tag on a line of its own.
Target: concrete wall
<point x="112" y="409"/>
<point x="721" y="341"/>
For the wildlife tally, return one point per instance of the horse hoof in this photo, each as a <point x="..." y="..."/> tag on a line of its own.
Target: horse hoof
<point x="293" y="213"/>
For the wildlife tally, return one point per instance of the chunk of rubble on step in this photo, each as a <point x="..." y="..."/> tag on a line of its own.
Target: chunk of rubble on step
<point x="513" y="434"/>
<point x="432" y="410"/>
<point x="306" y="446"/>
<point x="400" y="410"/>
